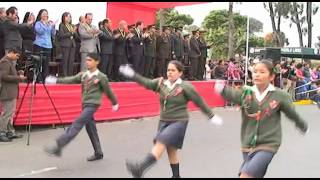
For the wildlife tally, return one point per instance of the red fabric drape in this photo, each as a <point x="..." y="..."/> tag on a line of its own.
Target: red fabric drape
<point x="144" y="11"/>
<point x="134" y="100"/>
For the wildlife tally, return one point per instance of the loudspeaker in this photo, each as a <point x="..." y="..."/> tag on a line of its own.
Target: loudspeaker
<point x="274" y="54"/>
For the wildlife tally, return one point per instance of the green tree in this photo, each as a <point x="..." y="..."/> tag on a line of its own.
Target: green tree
<point x="173" y="18"/>
<point x="217" y="25"/>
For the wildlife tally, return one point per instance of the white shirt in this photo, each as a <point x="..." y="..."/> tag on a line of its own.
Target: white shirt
<point x="259" y="96"/>
<point x="91" y="74"/>
<point x="171" y="86"/>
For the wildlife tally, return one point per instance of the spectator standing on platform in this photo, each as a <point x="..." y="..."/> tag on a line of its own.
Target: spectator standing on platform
<point x="2" y="19"/>
<point x="204" y="54"/>
<point x="94" y="85"/>
<point x="163" y="50"/>
<point x="261" y="119"/>
<point x="67" y="35"/>
<point x="174" y="96"/>
<point x="9" y="86"/>
<point x="89" y="36"/>
<point x="186" y="49"/>
<point x="177" y="45"/>
<point x="194" y="54"/>
<point x="12" y="35"/>
<point x="121" y="38"/>
<point x="106" y="44"/>
<point x="45" y="31"/>
<point x="137" y="41"/>
<point x="78" y="43"/>
<point x="150" y="52"/>
<point x="27" y="33"/>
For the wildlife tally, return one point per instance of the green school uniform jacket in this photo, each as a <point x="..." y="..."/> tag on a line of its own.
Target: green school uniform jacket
<point x="91" y="89"/>
<point x="261" y="126"/>
<point x="174" y="102"/>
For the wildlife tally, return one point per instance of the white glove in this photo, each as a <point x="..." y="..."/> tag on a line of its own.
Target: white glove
<point x="115" y="107"/>
<point x="126" y="71"/>
<point x="216" y="120"/>
<point x="219" y="85"/>
<point x="51" y="80"/>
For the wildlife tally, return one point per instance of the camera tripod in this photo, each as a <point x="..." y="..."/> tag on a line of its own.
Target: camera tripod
<point x="36" y="74"/>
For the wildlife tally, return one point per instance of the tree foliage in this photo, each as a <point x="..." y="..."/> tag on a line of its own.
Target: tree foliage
<point x="217" y="25"/>
<point x="174" y="19"/>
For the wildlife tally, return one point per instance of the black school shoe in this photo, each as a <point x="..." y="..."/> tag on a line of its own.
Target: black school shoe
<point x="4" y="138"/>
<point x="95" y="157"/>
<point x="134" y="169"/>
<point x="53" y="150"/>
<point x="12" y="135"/>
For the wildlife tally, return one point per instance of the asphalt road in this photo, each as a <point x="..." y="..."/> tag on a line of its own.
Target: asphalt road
<point x="208" y="151"/>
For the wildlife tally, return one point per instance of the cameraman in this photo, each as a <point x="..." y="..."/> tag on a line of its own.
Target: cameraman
<point x="8" y="93"/>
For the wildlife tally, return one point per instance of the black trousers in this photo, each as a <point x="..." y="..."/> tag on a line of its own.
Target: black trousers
<point x="118" y="60"/>
<point x="201" y="67"/>
<point x="86" y="119"/>
<point x="162" y="64"/>
<point x="68" y="54"/>
<point x="138" y="63"/>
<point x="193" y="67"/>
<point x="149" y="67"/>
<point x="106" y="64"/>
<point x="46" y="57"/>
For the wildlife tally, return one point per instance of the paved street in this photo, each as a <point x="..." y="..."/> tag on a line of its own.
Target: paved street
<point x="208" y="151"/>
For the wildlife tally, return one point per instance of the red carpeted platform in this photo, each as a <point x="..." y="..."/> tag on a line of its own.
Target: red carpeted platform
<point x="134" y="100"/>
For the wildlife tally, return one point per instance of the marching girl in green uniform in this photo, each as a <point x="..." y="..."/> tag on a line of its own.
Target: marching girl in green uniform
<point x="174" y="97"/>
<point x="261" y="105"/>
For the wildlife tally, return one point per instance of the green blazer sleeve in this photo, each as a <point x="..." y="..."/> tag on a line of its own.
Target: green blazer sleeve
<point x="147" y="83"/>
<point x="232" y="94"/>
<point x="288" y="108"/>
<point x="192" y="95"/>
<point x="71" y="80"/>
<point x="108" y="91"/>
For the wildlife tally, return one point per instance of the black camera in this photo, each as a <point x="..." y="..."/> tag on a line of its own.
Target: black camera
<point x="32" y="64"/>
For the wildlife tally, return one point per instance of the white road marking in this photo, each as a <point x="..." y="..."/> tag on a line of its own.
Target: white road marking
<point x="33" y="172"/>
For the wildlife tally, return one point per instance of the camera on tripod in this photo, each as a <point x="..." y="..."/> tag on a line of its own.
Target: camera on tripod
<point x="33" y="64"/>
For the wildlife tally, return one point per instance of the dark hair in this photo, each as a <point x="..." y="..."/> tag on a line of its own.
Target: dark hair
<point x="232" y="59"/>
<point x="94" y="56"/>
<point x="220" y="62"/>
<point x="64" y="15"/>
<point x="39" y="14"/>
<point x="138" y="23"/>
<point x="15" y="50"/>
<point x="269" y="65"/>
<point x="105" y="21"/>
<point x="87" y="14"/>
<point x="11" y="10"/>
<point x="80" y="18"/>
<point x="178" y="65"/>
<point x="26" y="17"/>
<point x="299" y="65"/>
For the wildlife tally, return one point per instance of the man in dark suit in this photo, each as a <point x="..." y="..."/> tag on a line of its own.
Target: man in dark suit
<point x="177" y="44"/>
<point x="203" y="57"/>
<point x="9" y="81"/>
<point x="137" y="48"/>
<point x="129" y="44"/>
<point x="2" y="19"/>
<point x="106" y="43"/>
<point x="163" y="49"/>
<point x="194" y="54"/>
<point x="13" y="38"/>
<point x="150" y="51"/>
<point x="120" y="49"/>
